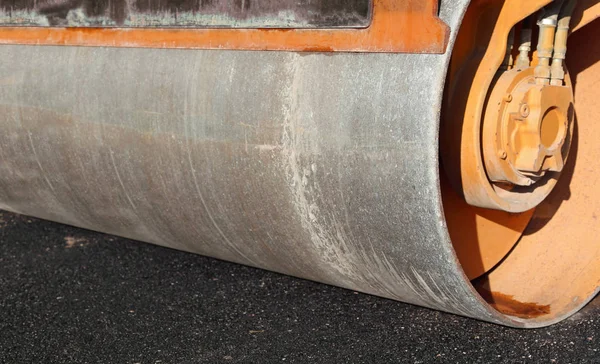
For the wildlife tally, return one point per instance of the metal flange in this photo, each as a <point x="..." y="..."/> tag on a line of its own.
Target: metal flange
<point x="526" y="136"/>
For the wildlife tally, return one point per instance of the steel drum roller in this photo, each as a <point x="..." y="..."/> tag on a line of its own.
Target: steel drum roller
<point x="321" y="165"/>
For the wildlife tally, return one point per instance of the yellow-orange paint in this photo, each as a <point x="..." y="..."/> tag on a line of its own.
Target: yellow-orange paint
<point x="397" y="26"/>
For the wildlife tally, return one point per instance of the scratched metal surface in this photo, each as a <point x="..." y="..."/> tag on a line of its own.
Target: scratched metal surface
<point x="187" y="13"/>
<point x="315" y="165"/>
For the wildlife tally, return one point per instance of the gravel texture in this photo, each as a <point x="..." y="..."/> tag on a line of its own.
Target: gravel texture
<point x="73" y="296"/>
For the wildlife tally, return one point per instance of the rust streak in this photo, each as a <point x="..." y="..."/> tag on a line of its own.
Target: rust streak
<point x="508" y="305"/>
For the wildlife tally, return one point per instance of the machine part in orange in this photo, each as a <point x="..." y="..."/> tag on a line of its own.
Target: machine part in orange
<point x="562" y="234"/>
<point x="321" y="166"/>
<point x="491" y="236"/>
<point x="471" y="77"/>
<point x="555" y="264"/>
<point x="408" y="26"/>
<point x="481" y="237"/>
<point x="526" y="136"/>
<point x="502" y="121"/>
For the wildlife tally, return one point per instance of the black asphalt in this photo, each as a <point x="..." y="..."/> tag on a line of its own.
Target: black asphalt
<point x="73" y="296"/>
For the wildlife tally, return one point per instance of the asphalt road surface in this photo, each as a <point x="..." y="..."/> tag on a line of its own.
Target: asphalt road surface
<point x="73" y="296"/>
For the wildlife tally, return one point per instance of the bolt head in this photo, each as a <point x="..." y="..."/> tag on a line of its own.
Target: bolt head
<point x="525" y="110"/>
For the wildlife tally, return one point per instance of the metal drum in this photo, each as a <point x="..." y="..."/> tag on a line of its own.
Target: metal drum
<point x="317" y="164"/>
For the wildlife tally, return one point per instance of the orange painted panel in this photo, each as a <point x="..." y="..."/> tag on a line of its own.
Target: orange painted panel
<point x="398" y="26"/>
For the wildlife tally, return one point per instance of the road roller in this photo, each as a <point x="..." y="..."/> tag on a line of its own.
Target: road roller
<point x="441" y="153"/>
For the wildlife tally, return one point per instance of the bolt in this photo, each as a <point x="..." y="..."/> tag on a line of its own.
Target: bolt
<point x="502" y="154"/>
<point x="508" y="98"/>
<point x="524" y="110"/>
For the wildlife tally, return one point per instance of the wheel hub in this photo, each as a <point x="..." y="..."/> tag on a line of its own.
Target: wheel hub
<point x="527" y="133"/>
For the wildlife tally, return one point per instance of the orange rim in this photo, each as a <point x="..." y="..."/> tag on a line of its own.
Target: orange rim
<point x="481" y="237"/>
<point x="539" y="266"/>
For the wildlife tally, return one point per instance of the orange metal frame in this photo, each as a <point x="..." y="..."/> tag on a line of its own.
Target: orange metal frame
<point x="398" y="26"/>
